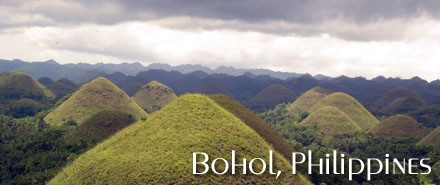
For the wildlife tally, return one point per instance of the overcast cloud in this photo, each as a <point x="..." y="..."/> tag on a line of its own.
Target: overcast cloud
<point x="398" y="38"/>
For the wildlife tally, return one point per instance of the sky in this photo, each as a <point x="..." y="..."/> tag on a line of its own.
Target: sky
<point x="369" y="38"/>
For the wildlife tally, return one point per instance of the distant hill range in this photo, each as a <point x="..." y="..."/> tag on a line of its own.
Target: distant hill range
<point x="241" y="84"/>
<point x="73" y="71"/>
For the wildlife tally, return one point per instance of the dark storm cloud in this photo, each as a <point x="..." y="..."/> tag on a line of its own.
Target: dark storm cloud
<point x="301" y="11"/>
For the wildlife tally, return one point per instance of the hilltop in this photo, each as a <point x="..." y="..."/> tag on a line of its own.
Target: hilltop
<point x="256" y="123"/>
<point x="349" y="106"/>
<point x="399" y="125"/>
<point x="93" y="97"/>
<point x="399" y="100"/>
<point x="432" y="139"/>
<point x="212" y="87"/>
<point x="307" y="100"/>
<point x="153" y="96"/>
<point x="159" y="150"/>
<point x="330" y="121"/>
<point x="271" y="96"/>
<point x="62" y="87"/>
<point x="14" y="86"/>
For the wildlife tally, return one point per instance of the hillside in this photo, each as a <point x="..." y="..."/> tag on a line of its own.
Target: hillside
<point x="93" y="97"/>
<point x="99" y="127"/>
<point x="307" y="100"/>
<point x="62" y="87"/>
<point x="256" y="123"/>
<point x="159" y="150"/>
<point x="349" y="106"/>
<point x="212" y="87"/>
<point x="132" y="88"/>
<point x="399" y="100"/>
<point x="271" y="96"/>
<point x="153" y="96"/>
<point x="432" y="139"/>
<point x="14" y="86"/>
<point x="330" y="121"/>
<point x="398" y="125"/>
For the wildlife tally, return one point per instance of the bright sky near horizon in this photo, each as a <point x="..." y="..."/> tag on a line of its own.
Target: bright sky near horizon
<point x="393" y="38"/>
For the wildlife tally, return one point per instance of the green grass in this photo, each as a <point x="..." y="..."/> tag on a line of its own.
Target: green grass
<point x="350" y="106"/>
<point x="21" y="85"/>
<point x="153" y="96"/>
<point x="399" y="125"/>
<point x="307" y="100"/>
<point x="271" y="96"/>
<point x="99" y="127"/>
<point x="159" y="150"/>
<point x="99" y="94"/>
<point x="330" y="121"/>
<point x="256" y="123"/>
<point x="432" y="139"/>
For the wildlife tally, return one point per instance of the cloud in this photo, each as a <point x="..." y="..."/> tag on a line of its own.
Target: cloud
<point x="146" y="42"/>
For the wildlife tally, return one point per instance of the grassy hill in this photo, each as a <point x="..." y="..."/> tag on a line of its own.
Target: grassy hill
<point x="159" y="150"/>
<point x="271" y="96"/>
<point x="62" y="87"/>
<point x="307" y="100"/>
<point x="256" y="123"/>
<point x="153" y="96"/>
<point x="99" y="127"/>
<point x="399" y="100"/>
<point x="399" y="125"/>
<point x="330" y="121"/>
<point x="212" y="87"/>
<point x="349" y="106"/>
<point x="93" y="97"/>
<point x="14" y="86"/>
<point x="432" y="139"/>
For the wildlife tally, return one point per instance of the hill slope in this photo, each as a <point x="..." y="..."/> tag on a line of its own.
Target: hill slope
<point x="399" y="100"/>
<point x="271" y="96"/>
<point x="349" y="106"/>
<point x="21" y="85"/>
<point x="62" y="87"/>
<point x="153" y="96"/>
<point x="432" y="139"/>
<point x="93" y="97"/>
<point x="256" y="123"/>
<point x="159" y="150"/>
<point x="330" y="121"/>
<point x="99" y="127"/>
<point x="307" y="100"/>
<point x="398" y="125"/>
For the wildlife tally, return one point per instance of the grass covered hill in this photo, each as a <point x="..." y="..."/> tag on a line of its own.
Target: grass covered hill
<point x="99" y="127"/>
<point x="307" y="100"/>
<point x="93" y="97"/>
<point x="399" y="125"/>
<point x="153" y="96"/>
<point x="159" y="150"/>
<point x="132" y="88"/>
<point x="62" y="87"/>
<point x="432" y="139"/>
<point x="399" y="100"/>
<point x="349" y="106"/>
<point x="14" y="86"/>
<point x="212" y="87"/>
<point x="256" y="123"/>
<point x="330" y="121"/>
<point x="271" y="96"/>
